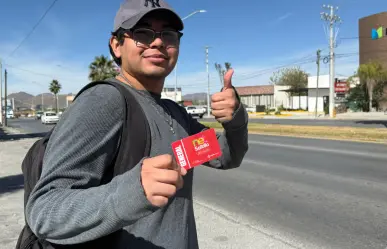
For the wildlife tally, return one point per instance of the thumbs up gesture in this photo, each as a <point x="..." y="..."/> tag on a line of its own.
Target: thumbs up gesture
<point x="225" y="103"/>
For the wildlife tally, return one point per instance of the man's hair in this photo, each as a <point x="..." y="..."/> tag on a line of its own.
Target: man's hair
<point x="120" y="36"/>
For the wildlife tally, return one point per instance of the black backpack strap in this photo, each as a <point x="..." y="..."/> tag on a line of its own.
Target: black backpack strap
<point x="138" y="141"/>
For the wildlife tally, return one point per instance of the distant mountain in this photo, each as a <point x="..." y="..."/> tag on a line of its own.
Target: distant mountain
<point x="195" y="97"/>
<point x="25" y="100"/>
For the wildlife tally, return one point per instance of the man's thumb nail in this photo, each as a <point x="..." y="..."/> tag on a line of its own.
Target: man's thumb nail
<point x="228" y="78"/>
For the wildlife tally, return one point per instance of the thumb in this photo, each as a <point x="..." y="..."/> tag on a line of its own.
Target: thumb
<point x="227" y="79"/>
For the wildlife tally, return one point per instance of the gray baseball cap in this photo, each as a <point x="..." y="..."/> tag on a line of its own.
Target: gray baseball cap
<point x="132" y="11"/>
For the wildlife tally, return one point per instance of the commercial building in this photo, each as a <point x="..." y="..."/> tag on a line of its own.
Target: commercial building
<point x="373" y="43"/>
<point x="321" y="94"/>
<point x="373" y="38"/>
<point x="257" y="95"/>
<point x="169" y="93"/>
<point x="273" y="96"/>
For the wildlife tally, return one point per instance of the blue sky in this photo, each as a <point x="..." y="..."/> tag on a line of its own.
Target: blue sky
<point x="252" y="35"/>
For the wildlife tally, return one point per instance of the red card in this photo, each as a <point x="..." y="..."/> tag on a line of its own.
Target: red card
<point x="197" y="149"/>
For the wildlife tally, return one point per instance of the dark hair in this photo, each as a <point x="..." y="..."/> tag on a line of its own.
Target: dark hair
<point x="120" y="36"/>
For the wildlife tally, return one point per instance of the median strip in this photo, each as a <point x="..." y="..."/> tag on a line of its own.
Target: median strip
<point x="378" y="135"/>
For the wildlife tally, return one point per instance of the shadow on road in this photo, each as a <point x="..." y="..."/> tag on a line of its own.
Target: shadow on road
<point x="373" y="122"/>
<point x="11" y="183"/>
<point x="11" y="137"/>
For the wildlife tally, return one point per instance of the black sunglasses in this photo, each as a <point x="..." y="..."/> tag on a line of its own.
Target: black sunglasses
<point x="145" y="36"/>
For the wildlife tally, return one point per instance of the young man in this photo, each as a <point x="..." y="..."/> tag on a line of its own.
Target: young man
<point x="153" y="201"/>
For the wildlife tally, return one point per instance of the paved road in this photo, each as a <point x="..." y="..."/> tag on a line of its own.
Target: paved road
<point x="37" y="127"/>
<point x="306" y="193"/>
<point x="29" y="125"/>
<point x="312" y="122"/>
<point x="309" y="193"/>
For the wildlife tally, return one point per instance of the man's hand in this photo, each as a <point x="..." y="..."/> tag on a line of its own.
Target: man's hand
<point x="224" y="104"/>
<point x="161" y="177"/>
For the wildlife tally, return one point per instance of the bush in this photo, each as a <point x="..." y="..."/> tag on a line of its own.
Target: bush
<point x="326" y="109"/>
<point x="278" y="112"/>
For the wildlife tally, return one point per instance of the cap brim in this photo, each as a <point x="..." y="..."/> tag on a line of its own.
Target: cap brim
<point x="173" y="17"/>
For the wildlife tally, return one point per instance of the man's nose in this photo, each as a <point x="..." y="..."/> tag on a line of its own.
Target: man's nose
<point x="158" y="42"/>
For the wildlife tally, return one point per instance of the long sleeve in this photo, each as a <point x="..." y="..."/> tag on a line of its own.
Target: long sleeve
<point x="69" y="205"/>
<point x="233" y="141"/>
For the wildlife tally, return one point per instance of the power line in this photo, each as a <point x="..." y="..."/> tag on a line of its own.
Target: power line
<point x="37" y="73"/>
<point x="34" y="27"/>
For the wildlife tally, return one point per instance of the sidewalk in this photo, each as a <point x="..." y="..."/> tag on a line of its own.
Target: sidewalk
<point x="215" y="230"/>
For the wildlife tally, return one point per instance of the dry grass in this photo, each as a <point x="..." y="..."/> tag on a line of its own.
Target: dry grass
<point x="378" y="135"/>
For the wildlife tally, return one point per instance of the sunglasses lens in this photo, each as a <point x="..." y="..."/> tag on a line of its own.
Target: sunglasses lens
<point x="170" y="38"/>
<point x="143" y="36"/>
<point x="146" y="37"/>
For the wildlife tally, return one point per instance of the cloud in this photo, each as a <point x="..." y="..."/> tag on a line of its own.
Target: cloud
<point x="282" y="18"/>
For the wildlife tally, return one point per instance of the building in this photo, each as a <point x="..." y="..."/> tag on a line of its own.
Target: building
<point x="321" y="94"/>
<point x="271" y="96"/>
<point x="257" y="95"/>
<point x="373" y="38"/>
<point x="373" y="43"/>
<point x="69" y="100"/>
<point x="288" y="99"/>
<point x="169" y="93"/>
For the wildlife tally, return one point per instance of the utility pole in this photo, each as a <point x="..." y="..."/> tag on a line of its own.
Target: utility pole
<point x="208" y="84"/>
<point x="5" y="97"/>
<point x="318" y="76"/>
<point x="331" y="18"/>
<point x="42" y="103"/>
<point x="1" y="93"/>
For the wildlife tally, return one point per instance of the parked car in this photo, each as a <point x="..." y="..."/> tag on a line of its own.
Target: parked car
<point x="38" y="115"/>
<point x="50" y="118"/>
<point x="196" y="111"/>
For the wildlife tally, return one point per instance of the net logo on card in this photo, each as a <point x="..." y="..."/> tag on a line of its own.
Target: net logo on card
<point x="200" y="144"/>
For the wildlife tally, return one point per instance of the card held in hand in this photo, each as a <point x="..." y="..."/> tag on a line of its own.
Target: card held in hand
<point x="195" y="150"/>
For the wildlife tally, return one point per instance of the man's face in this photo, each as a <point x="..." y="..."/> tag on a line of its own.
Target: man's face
<point x="143" y="56"/>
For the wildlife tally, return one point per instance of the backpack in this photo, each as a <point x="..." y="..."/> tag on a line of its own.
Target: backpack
<point x="33" y="161"/>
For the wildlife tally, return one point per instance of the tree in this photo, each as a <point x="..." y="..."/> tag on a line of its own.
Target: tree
<point x="102" y="68"/>
<point x="371" y="74"/>
<point x="294" y="77"/>
<point x="55" y="89"/>
<point x="222" y="71"/>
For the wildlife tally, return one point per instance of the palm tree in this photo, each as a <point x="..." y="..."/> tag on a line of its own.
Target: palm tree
<point x="55" y="89"/>
<point x="371" y="73"/>
<point x="102" y="68"/>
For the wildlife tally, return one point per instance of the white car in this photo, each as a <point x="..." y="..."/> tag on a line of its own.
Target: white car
<point x="196" y="111"/>
<point x="50" y="118"/>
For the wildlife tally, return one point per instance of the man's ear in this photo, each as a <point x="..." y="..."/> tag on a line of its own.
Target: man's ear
<point x="115" y="46"/>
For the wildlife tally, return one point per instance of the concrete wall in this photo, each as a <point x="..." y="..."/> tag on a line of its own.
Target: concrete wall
<point x="298" y="102"/>
<point x="323" y="81"/>
<point x="280" y="97"/>
<point x="254" y="100"/>
<point x="320" y="100"/>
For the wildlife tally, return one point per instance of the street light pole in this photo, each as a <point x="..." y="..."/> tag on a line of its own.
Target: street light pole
<point x="193" y="13"/>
